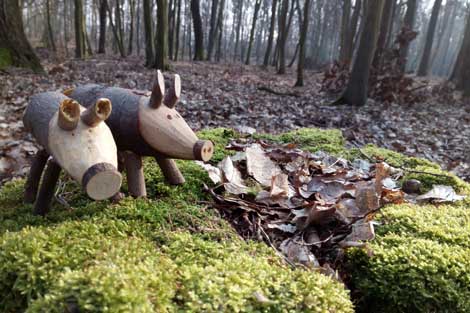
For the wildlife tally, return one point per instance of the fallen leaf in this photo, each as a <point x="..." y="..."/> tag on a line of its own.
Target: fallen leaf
<point x="440" y="193"/>
<point x="279" y="186"/>
<point x="260" y="166"/>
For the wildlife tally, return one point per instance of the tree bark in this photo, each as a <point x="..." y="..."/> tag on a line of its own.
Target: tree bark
<point x="282" y="36"/>
<point x="116" y="29"/>
<point x="408" y="22"/>
<point x="424" y="64"/>
<point x="102" y="39"/>
<point x="461" y="72"/>
<point x="212" y="31"/>
<point x="303" y="37"/>
<point x="272" y="27"/>
<point x="14" y="46"/>
<point x="385" y="24"/>
<point x="149" y="52"/>
<point x="219" y="29"/>
<point x="198" y="32"/>
<point x="161" y="55"/>
<point x="345" y="31"/>
<point x="238" y="32"/>
<point x="131" y="26"/>
<point x="252" y="32"/>
<point x="79" y="35"/>
<point x="50" y="32"/>
<point x="356" y="90"/>
<point x="177" y="31"/>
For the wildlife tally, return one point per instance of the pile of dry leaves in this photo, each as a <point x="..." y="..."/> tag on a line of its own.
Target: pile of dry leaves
<point x="309" y="206"/>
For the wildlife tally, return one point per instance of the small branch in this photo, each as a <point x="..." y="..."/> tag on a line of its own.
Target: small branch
<point x="278" y="93"/>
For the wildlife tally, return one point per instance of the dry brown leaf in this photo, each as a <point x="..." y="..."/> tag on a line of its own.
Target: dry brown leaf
<point x="260" y="166"/>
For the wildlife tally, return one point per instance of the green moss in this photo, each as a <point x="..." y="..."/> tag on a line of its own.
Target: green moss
<point x="311" y="139"/>
<point x="172" y="253"/>
<point x="407" y="274"/>
<point x="221" y="138"/>
<point x="5" y="58"/>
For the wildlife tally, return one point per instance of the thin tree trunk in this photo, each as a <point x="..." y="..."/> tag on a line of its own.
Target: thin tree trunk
<point x="424" y="64"/>
<point x="50" y="32"/>
<point x="149" y="52"/>
<point x="177" y="31"/>
<point x="408" y="23"/>
<point x="252" y="32"/>
<point x="283" y="36"/>
<point x="14" y="46"/>
<point x="212" y="31"/>
<point x="198" y="32"/>
<point x="79" y="35"/>
<point x="66" y="36"/>
<point x="220" y="29"/>
<point x="384" y="27"/>
<point x="161" y="55"/>
<point x="357" y="88"/>
<point x="345" y="31"/>
<point x="115" y="29"/>
<point x="131" y="26"/>
<point x="102" y="40"/>
<point x="239" y="24"/>
<point x="303" y="38"/>
<point x="272" y="27"/>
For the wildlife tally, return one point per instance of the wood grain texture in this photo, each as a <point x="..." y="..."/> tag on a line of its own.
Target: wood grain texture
<point x="170" y="171"/>
<point x="135" y="175"/>
<point x="49" y="182"/>
<point x="78" y="150"/>
<point x="34" y="176"/>
<point x="101" y="181"/>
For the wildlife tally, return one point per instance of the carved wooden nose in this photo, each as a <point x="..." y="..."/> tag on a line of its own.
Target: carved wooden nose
<point x="101" y="181"/>
<point x="203" y="150"/>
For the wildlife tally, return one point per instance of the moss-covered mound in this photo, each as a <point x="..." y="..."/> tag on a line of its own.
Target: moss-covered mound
<point x="171" y="253"/>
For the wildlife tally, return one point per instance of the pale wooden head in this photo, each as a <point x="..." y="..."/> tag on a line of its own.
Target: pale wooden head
<point x="85" y="147"/>
<point x="163" y="128"/>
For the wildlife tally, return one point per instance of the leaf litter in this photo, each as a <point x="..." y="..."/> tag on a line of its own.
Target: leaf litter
<point x="308" y="206"/>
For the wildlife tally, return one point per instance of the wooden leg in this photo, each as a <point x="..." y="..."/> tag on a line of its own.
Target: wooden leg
<point x="34" y="177"/>
<point x="171" y="172"/>
<point x="135" y="175"/>
<point x="49" y="182"/>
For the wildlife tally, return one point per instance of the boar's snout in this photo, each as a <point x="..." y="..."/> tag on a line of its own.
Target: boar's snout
<point x="203" y="150"/>
<point x="101" y="181"/>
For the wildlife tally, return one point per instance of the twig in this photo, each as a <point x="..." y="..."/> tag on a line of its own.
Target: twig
<point x="275" y="249"/>
<point x="278" y="93"/>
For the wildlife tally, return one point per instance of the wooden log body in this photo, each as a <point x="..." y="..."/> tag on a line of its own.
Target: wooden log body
<point x="143" y="129"/>
<point x="148" y="125"/>
<point x="87" y="153"/>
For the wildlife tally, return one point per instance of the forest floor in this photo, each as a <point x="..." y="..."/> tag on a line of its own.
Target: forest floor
<point x="233" y="95"/>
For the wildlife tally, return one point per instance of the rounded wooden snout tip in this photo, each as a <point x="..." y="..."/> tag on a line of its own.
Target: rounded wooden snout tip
<point x="203" y="150"/>
<point x="69" y="114"/>
<point x="97" y="113"/>
<point x="102" y="181"/>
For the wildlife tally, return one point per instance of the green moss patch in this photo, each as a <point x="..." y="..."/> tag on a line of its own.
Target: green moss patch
<point x="5" y="58"/>
<point x="173" y="253"/>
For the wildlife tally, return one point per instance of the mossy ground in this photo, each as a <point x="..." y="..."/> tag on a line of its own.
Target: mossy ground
<point x="172" y="253"/>
<point x="5" y="58"/>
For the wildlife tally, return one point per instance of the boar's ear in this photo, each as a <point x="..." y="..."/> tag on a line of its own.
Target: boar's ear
<point x="158" y="91"/>
<point x="174" y="93"/>
<point x="97" y="113"/>
<point x="69" y="114"/>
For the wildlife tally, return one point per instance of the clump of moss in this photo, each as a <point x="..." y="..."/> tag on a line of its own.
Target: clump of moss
<point x="311" y="139"/>
<point x="5" y="58"/>
<point x="409" y="274"/>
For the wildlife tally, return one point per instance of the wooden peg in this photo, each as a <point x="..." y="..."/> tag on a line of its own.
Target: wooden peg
<point x="69" y="114"/>
<point x="49" y="182"/>
<point x="34" y="176"/>
<point x="158" y="91"/>
<point x="97" y="113"/>
<point x="135" y="175"/>
<point x="174" y="93"/>
<point x="169" y="169"/>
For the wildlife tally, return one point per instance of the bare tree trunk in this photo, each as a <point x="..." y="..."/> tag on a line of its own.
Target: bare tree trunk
<point x="138" y="22"/>
<point x="102" y="40"/>
<point x="252" y="32"/>
<point x="283" y="36"/>
<point x="177" y="31"/>
<point x="66" y="36"/>
<point x="238" y="32"/>
<point x="356" y="90"/>
<point x="408" y="23"/>
<point x="220" y="29"/>
<point x="385" y="24"/>
<point x="212" y="31"/>
<point x="14" y="46"/>
<point x="424" y="64"/>
<point x="161" y="55"/>
<point x="149" y="52"/>
<point x="50" y="32"/>
<point x="303" y="38"/>
<point x="198" y="32"/>
<point x="79" y="35"/>
<point x="349" y="45"/>
<point x="272" y="27"/>
<point x="461" y="72"/>
<point x="345" y="31"/>
<point x="117" y="31"/>
<point x="131" y="26"/>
